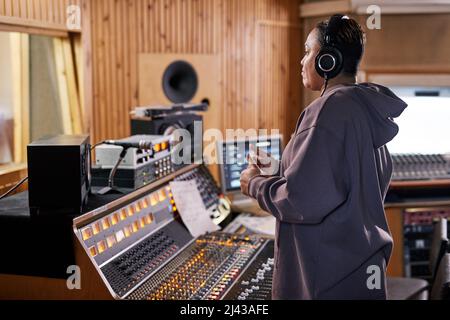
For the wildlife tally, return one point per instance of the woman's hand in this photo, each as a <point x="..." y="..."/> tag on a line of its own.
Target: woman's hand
<point x="264" y="161"/>
<point x="251" y="171"/>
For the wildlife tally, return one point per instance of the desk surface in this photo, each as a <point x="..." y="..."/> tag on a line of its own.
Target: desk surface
<point x="42" y="246"/>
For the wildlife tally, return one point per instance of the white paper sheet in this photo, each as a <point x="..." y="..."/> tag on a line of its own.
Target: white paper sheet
<point x="265" y="225"/>
<point x="191" y="207"/>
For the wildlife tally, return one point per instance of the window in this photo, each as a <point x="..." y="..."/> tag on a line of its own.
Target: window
<point x="39" y="91"/>
<point x="424" y="124"/>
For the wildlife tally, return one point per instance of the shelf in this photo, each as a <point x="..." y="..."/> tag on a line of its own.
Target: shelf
<point x="327" y="8"/>
<point x="419" y="184"/>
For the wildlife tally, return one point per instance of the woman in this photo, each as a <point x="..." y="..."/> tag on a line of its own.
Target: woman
<point x="332" y="239"/>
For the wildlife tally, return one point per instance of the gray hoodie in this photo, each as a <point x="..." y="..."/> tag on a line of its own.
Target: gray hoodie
<point x="328" y="199"/>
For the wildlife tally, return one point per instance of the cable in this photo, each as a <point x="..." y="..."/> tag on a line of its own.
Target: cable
<point x="98" y="143"/>
<point x="13" y="188"/>
<point x="123" y="153"/>
<point x="325" y="86"/>
<point x="110" y="187"/>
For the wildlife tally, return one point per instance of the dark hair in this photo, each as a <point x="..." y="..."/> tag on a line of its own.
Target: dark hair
<point x="349" y="39"/>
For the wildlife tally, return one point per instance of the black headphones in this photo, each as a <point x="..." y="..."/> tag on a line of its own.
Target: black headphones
<point x="329" y="61"/>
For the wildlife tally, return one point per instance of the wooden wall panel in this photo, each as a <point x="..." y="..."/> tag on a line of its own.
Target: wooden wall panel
<point x="237" y="28"/>
<point x="394" y="218"/>
<point x="121" y="30"/>
<point x="46" y="14"/>
<point x="408" y="43"/>
<point x="283" y="64"/>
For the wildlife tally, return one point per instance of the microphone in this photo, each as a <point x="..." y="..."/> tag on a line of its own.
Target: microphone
<point x="141" y="144"/>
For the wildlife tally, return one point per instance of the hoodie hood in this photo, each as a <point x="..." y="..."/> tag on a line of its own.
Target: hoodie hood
<point x="382" y="106"/>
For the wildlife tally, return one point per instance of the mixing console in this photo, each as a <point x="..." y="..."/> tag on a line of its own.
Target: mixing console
<point x="128" y="269"/>
<point x="420" y="166"/>
<point x="207" y="269"/>
<point x="256" y="282"/>
<point x="142" y="250"/>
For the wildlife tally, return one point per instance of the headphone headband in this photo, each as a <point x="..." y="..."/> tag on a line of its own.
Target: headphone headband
<point x="333" y="27"/>
<point x="329" y="61"/>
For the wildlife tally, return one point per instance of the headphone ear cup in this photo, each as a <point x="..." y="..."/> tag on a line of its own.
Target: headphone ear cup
<point x="329" y="62"/>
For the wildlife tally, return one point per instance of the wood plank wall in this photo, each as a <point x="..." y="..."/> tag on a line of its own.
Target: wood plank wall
<point x="48" y="14"/>
<point x="278" y="96"/>
<point x="120" y="30"/>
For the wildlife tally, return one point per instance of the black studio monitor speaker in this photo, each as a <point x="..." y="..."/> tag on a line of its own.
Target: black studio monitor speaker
<point x="59" y="177"/>
<point x="180" y="82"/>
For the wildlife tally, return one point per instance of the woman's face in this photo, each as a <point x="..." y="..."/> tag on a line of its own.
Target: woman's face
<point x="311" y="78"/>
